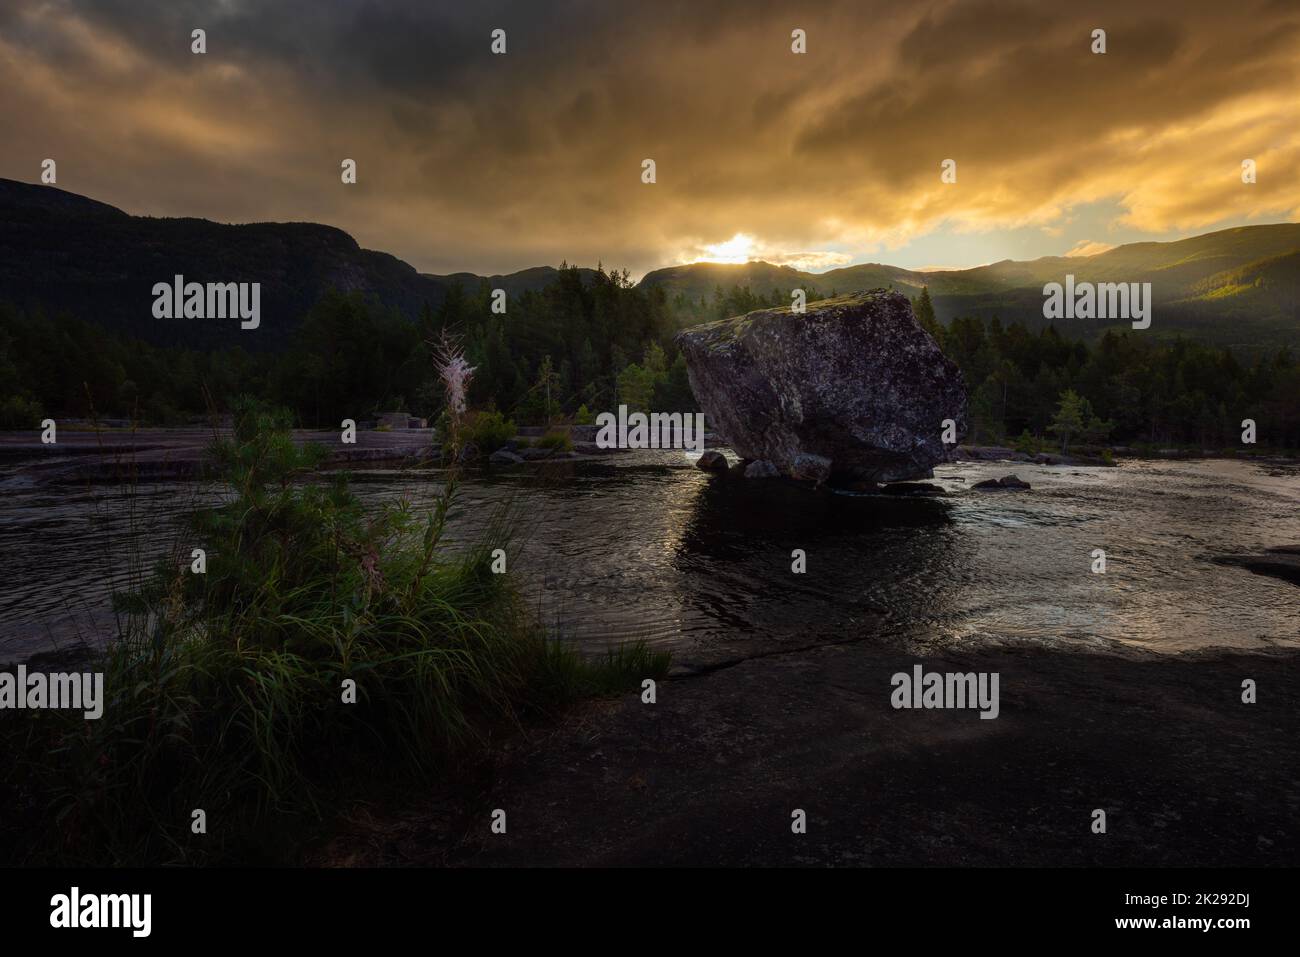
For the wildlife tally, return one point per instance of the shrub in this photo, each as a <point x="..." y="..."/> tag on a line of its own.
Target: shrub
<point x="556" y="441"/>
<point x="17" y="412"/>
<point x="488" y="431"/>
<point x="226" y="691"/>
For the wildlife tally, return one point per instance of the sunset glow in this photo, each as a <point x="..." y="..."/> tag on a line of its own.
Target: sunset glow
<point x="740" y="248"/>
<point x="795" y="170"/>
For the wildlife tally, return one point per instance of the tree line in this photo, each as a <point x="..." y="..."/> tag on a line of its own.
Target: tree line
<point x="1127" y="388"/>
<point x="575" y="346"/>
<point x="584" y="345"/>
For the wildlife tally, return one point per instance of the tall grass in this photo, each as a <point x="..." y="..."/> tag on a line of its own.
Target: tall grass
<point x="229" y="691"/>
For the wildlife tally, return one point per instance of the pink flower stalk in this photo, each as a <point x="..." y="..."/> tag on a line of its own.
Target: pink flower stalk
<point x="370" y="568"/>
<point x="455" y="371"/>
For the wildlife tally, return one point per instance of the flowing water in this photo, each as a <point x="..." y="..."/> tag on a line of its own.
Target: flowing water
<point x="644" y="546"/>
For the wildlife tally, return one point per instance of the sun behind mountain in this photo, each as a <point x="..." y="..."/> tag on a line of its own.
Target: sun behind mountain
<point x="740" y="248"/>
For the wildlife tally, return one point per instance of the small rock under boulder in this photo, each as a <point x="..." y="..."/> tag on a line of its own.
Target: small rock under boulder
<point x="811" y="468"/>
<point x="712" y="461"/>
<point x="852" y="387"/>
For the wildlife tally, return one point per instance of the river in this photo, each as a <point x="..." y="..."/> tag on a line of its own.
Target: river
<point x="642" y="545"/>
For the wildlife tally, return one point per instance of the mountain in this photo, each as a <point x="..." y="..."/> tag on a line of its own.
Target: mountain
<point x="515" y="283"/>
<point x="64" y="252"/>
<point x="1235" y="287"/>
<point x="697" y="281"/>
<point x="59" y="251"/>
<point x="1238" y="287"/>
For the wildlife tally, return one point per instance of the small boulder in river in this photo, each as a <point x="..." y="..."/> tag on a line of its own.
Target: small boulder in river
<point x="1007" y="483"/>
<point x="852" y="387"/>
<point x="712" y="461"/>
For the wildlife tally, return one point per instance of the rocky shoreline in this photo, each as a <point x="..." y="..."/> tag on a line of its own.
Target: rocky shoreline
<point x="710" y="774"/>
<point x="117" y="455"/>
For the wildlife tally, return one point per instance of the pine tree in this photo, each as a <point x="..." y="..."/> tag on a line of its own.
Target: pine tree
<point x="1071" y="417"/>
<point x="924" y="310"/>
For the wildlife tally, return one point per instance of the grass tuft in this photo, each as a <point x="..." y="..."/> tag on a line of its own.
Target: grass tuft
<point x="225" y="691"/>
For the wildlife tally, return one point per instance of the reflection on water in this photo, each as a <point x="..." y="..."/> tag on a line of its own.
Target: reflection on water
<point x="641" y="545"/>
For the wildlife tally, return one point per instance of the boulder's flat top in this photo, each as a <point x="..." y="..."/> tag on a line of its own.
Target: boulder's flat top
<point x="737" y="325"/>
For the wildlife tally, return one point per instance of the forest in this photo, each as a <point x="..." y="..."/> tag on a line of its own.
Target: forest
<point x="586" y="343"/>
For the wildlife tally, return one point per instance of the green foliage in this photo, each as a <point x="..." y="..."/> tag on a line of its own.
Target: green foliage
<point x="572" y="344"/>
<point x="1137" y="388"/>
<point x="672" y="392"/>
<point x="1074" y="417"/>
<point x="353" y="358"/>
<point x="653" y="385"/>
<point x="557" y="441"/>
<point x="542" y="403"/>
<point x="488" y="431"/>
<point x="924" y="310"/>
<point x="1071" y="414"/>
<point x="225" y="690"/>
<point x="636" y="388"/>
<point x="584" y="416"/>
<point x="619" y="669"/>
<point x="566" y="344"/>
<point x="17" y="412"/>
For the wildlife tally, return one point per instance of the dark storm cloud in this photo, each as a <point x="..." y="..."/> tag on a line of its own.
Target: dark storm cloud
<point x="469" y="160"/>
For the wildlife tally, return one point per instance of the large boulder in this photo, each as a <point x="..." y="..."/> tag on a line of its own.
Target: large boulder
<point x="853" y="385"/>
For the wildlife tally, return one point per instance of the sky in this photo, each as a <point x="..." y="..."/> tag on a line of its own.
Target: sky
<point x="473" y="161"/>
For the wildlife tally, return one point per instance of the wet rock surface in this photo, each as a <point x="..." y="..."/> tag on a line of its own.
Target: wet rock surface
<point x="704" y="777"/>
<point x="853" y="387"/>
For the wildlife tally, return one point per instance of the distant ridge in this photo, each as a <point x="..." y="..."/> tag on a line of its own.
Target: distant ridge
<point x="63" y="252"/>
<point x="1238" y="287"/>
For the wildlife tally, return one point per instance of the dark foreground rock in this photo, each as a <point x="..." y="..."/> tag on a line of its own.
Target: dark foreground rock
<point x="709" y="775"/>
<point x="853" y="387"/>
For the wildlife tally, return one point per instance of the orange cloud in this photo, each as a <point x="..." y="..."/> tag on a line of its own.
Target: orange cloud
<point x="472" y="161"/>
